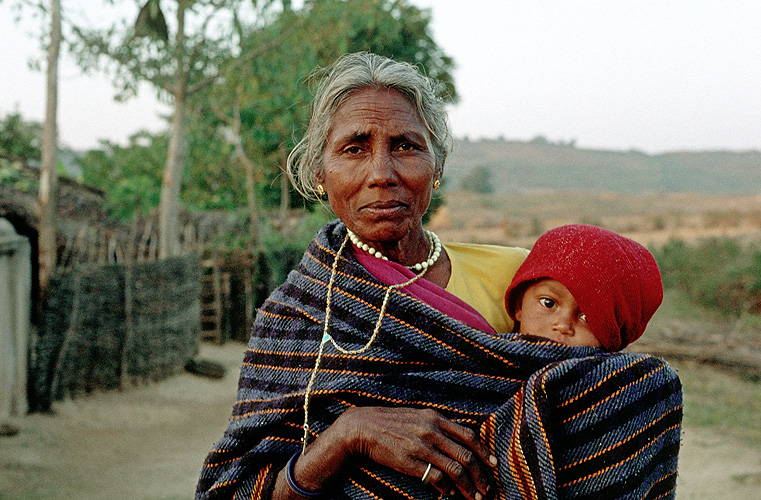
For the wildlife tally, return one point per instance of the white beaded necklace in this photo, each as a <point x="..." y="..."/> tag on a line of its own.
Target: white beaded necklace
<point x="433" y="255"/>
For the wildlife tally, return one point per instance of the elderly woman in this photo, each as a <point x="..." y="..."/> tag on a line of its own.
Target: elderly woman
<point x="376" y="371"/>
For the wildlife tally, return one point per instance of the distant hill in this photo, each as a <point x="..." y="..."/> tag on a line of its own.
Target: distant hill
<point x="512" y="166"/>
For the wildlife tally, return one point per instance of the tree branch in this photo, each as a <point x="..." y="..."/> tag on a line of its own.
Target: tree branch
<point x="247" y="57"/>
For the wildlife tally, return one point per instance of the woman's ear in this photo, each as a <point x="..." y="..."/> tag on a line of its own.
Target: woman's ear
<point x="319" y="178"/>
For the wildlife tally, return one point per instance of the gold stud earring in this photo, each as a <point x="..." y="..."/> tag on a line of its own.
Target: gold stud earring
<point x="436" y="184"/>
<point x="320" y="190"/>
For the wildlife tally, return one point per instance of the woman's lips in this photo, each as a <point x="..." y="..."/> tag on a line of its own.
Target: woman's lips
<point x="385" y="207"/>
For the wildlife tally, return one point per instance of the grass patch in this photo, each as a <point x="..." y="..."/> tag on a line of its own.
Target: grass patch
<point x="681" y="319"/>
<point x="728" y="402"/>
<point x="32" y="492"/>
<point x="677" y="306"/>
<point x="713" y="398"/>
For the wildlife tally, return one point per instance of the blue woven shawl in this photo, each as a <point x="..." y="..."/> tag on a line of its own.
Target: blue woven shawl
<point x="565" y="423"/>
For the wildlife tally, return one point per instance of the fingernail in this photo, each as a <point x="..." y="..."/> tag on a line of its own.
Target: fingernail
<point x="479" y="496"/>
<point x="493" y="460"/>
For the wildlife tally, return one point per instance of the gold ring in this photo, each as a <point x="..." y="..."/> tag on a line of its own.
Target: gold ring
<point x="427" y="474"/>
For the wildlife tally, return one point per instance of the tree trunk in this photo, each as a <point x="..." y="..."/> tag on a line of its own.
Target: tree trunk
<point x="285" y="188"/>
<point x="253" y="208"/>
<point x="169" y="206"/>
<point x="251" y="174"/>
<point x="47" y="247"/>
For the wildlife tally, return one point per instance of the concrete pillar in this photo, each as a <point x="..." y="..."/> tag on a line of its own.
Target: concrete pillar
<point x="15" y="308"/>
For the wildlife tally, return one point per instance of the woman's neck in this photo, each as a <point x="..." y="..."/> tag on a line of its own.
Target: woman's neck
<point x="416" y="250"/>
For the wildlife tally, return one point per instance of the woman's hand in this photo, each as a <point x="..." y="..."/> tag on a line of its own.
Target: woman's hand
<point x="406" y="440"/>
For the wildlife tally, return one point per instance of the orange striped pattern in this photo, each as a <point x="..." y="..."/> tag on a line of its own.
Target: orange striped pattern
<point x="564" y="423"/>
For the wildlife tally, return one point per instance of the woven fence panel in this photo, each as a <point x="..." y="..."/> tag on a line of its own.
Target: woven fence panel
<point x="166" y="323"/>
<point x="106" y="326"/>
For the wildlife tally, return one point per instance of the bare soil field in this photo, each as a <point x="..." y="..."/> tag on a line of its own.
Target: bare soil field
<point x="148" y="443"/>
<point x="651" y="219"/>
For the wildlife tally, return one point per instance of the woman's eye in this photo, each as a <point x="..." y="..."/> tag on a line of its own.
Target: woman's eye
<point x="547" y="302"/>
<point x="406" y="146"/>
<point x="352" y="150"/>
<point x="583" y="317"/>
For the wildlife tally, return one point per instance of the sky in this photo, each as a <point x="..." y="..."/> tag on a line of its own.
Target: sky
<point x="650" y="75"/>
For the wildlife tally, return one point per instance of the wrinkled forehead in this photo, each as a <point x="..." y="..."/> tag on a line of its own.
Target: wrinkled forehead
<point x="377" y="108"/>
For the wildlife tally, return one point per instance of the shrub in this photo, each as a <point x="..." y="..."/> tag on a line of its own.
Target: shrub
<point x="720" y="274"/>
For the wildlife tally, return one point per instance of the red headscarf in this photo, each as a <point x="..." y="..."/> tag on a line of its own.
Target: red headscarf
<point x="614" y="280"/>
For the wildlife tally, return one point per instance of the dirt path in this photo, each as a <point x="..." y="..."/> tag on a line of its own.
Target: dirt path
<point x="145" y="443"/>
<point x="148" y="443"/>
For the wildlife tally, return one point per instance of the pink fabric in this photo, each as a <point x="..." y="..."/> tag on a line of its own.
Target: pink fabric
<point x="392" y="273"/>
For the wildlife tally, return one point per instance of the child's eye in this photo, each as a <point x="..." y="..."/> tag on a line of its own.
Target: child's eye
<point x="583" y="317"/>
<point x="547" y="302"/>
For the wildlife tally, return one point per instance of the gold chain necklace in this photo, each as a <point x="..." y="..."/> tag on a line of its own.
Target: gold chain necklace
<point x="326" y="337"/>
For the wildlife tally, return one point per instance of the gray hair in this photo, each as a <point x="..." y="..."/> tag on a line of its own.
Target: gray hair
<point x="352" y="72"/>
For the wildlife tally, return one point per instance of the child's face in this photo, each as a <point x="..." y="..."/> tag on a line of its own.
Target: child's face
<point x="549" y="310"/>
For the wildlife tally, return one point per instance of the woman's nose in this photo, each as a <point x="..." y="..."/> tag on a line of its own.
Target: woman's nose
<point x="382" y="171"/>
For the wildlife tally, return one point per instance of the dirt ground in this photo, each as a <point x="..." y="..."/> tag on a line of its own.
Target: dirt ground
<point x="148" y="443"/>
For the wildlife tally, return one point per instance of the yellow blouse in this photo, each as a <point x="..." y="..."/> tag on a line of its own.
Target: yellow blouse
<point x="480" y="277"/>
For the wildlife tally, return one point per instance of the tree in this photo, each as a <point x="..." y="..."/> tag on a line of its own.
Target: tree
<point x="479" y="180"/>
<point x="47" y="244"/>
<point x="130" y="175"/>
<point x="52" y="37"/>
<point x="241" y="128"/>
<point x="265" y="101"/>
<point x="19" y="140"/>
<point x="179" y="58"/>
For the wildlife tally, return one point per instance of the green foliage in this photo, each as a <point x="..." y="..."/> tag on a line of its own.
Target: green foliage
<point x="19" y="140"/>
<point x="130" y="176"/>
<point x="214" y="179"/>
<point x="19" y="144"/>
<point x="392" y="28"/>
<point x="151" y="47"/>
<point x="271" y="89"/>
<point x="13" y="174"/>
<point x="299" y="236"/>
<point x="273" y="239"/>
<point x="268" y="91"/>
<point x="479" y="180"/>
<point x="719" y="274"/>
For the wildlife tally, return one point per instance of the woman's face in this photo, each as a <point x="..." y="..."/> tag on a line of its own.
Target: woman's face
<point x="378" y="166"/>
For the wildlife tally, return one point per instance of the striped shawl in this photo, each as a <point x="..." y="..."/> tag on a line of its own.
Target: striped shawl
<point x="570" y="423"/>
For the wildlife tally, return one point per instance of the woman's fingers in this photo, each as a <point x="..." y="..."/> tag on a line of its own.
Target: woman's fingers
<point x="468" y="456"/>
<point x="408" y="440"/>
<point x="459" y="470"/>
<point x="470" y="439"/>
<point x="434" y="477"/>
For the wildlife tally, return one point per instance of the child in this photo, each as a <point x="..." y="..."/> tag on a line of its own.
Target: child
<point x="585" y="285"/>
